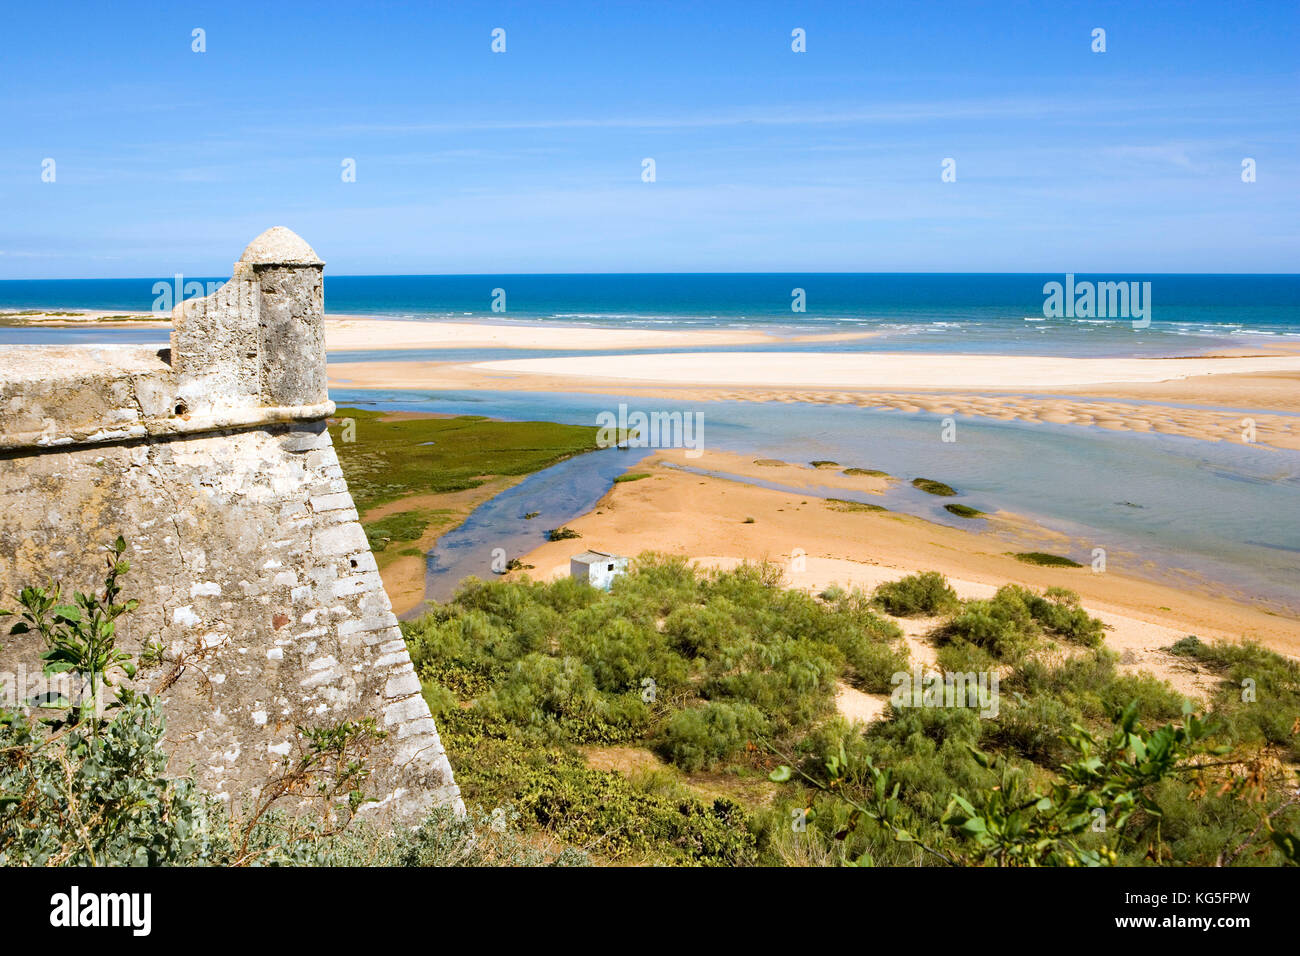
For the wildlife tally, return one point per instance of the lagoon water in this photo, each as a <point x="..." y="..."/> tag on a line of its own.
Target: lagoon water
<point x="497" y="530"/>
<point x="1187" y="511"/>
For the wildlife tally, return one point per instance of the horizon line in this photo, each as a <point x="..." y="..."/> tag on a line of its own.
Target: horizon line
<point x="458" y="275"/>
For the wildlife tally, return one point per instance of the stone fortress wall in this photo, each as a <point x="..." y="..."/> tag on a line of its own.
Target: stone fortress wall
<point x="213" y="461"/>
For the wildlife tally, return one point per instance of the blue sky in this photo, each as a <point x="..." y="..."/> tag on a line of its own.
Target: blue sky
<point x="766" y="160"/>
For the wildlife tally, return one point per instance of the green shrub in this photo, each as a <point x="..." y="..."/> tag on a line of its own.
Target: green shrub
<point x="698" y="738"/>
<point x="928" y="593"/>
<point x="1258" y="701"/>
<point x="1002" y="625"/>
<point x="621" y="652"/>
<point x="1189" y="646"/>
<point x="832" y="593"/>
<point x="959" y="656"/>
<point x="439" y="698"/>
<point x="97" y="796"/>
<point x="1059" y="613"/>
<point x="1033" y="727"/>
<point x="446" y="838"/>
<point x="557" y="699"/>
<point x="553" y="791"/>
<point x="1009" y="624"/>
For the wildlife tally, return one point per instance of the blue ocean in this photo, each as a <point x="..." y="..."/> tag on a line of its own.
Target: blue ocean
<point x="1189" y="314"/>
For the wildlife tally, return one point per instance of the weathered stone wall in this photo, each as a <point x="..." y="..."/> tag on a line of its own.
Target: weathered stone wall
<point x="213" y="460"/>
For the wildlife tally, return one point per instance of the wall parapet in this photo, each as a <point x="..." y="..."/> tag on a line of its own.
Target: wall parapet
<point x="89" y="397"/>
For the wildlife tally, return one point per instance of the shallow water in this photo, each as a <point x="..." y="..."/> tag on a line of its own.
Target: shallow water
<point x="1178" y="509"/>
<point x="100" y="335"/>
<point x="497" y="531"/>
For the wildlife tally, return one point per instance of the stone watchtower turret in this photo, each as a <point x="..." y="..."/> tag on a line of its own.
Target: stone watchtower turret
<point x="260" y="339"/>
<point x="214" y="461"/>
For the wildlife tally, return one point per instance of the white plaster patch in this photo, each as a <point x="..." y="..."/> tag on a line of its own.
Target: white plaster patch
<point x="185" y="615"/>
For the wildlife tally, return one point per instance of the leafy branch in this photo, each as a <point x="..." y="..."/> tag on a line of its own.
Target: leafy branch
<point x="81" y="636"/>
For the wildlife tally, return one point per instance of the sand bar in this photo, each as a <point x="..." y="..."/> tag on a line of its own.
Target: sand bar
<point x="1221" y="392"/>
<point x="351" y="333"/>
<point x="348" y="333"/>
<point x="889" y="370"/>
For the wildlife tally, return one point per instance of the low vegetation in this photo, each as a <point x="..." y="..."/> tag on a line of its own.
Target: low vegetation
<point x="722" y="685"/>
<point x="963" y="511"/>
<point x="932" y="487"/>
<point x="401" y="526"/>
<point x="694" y="668"/>
<point x="1045" y="560"/>
<point x="390" y="457"/>
<point x="633" y="477"/>
<point x="842" y="504"/>
<point x="727" y="678"/>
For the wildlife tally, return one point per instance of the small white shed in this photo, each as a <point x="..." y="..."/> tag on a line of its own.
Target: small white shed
<point x="597" y="568"/>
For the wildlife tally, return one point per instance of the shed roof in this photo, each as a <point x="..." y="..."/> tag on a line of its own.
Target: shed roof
<point x="593" y="557"/>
